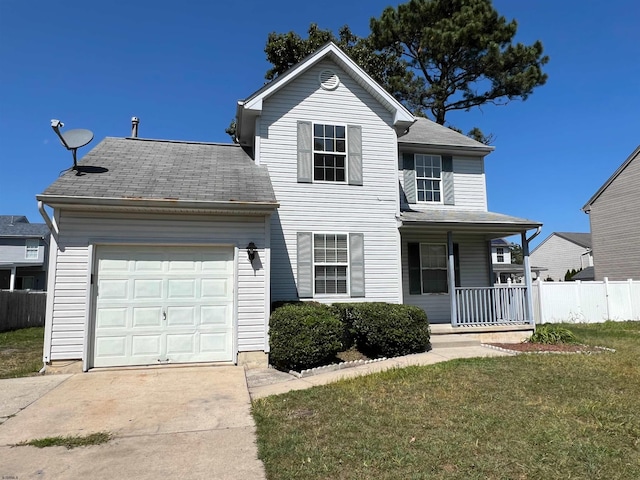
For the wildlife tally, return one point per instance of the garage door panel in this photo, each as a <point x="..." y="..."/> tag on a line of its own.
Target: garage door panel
<point x="163" y="304"/>
<point x="216" y="288"/>
<point x="113" y="289"/>
<point x="147" y="316"/>
<point x="111" y="318"/>
<point x="142" y="345"/>
<point x="147" y="289"/>
<point x="213" y="343"/>
<point x="181" y="316"/>
<point x="214" y="315"/>
<point x="181" y="288"/>
<point x="111" y="347"/>
<point x="181" y="344"/>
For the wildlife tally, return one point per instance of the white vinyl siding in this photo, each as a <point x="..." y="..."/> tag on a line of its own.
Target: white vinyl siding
<point x="369" y="208"/>
<point x="557" y="255"/>
<point x="474" y="270"/>
<point x="79" y="229"/>
<point x="468" y="183"/>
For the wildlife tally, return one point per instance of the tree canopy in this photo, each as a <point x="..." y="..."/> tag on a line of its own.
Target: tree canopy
<point x="461" y="53"/>
<point x="435" y="56"/>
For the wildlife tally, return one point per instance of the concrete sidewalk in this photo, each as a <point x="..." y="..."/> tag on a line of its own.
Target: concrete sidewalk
<point x="265" y="382"/>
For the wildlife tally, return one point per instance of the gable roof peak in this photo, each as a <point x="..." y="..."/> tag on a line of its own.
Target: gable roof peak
<point x="248" y="109"/>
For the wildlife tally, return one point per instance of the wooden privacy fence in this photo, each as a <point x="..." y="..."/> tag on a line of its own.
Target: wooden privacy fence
<point x="21" y="309"/>
<point x="586" y="302"/>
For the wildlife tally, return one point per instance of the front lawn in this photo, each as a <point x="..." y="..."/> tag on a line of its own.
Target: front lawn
<point x="524" y="417"/>
<point x="21" y="352"/>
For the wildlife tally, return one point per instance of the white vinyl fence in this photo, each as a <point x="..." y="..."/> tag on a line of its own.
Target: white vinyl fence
<point x="586" y="302"/>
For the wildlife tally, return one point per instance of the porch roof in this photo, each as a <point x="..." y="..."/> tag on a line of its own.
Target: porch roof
<point x="469" y="220"/>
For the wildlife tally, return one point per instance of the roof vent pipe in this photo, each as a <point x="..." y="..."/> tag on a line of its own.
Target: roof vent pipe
<point x="134" y="127"/>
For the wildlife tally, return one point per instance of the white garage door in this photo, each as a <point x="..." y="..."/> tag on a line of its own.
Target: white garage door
<point x="158" y="305"/>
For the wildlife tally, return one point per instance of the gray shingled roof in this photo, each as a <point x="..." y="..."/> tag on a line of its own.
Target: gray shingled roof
<point x="586" y="274"/>
<point x="470" y="217"/>
<point x="582" y="239"/>
<point x="426" y="132"/>
<point x="19" y="226"/>
<point x="131" y="168"/>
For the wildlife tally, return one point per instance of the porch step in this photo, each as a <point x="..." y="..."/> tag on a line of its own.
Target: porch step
<point x="453" y="341"/>
<point x="446" y="336"/>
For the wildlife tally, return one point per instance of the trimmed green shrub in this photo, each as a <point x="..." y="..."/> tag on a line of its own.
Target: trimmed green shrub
<point x="389" y="330"/>
<point x="304" y="335"/>
<point x="346" y="312"/>
<point x="551" y="334"/>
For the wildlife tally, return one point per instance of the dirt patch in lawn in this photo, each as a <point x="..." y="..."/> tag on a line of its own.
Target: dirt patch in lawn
<point x="527" y="347"/>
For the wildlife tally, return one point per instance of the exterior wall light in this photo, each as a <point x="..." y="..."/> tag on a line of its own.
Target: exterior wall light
<point x="251" y="251"/>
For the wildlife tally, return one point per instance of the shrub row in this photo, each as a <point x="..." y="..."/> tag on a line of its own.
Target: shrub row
<point x="307" y="335"/>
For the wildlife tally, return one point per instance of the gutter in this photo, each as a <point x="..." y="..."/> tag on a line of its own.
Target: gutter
<point x="169" y="203"/>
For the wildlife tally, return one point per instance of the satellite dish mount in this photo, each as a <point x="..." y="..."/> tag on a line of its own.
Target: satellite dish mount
<point x="72" y="139"/>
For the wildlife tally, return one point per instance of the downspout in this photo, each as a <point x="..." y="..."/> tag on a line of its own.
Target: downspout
<point x="527" y="272"/>
<point x="54" y="233"/>
<point x="47" y="219"/>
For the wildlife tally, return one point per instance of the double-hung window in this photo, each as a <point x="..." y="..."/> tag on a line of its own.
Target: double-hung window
<point x="500" y="254"/>
<point x="428" y="178"/>
<point x="433" y="266"/>
<point x="31" y="248"/>
<point x="329" y="153"/>
<point x="330" y="263"/>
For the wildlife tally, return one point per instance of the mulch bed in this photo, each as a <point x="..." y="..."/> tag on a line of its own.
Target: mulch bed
<point x="527" y="347"/>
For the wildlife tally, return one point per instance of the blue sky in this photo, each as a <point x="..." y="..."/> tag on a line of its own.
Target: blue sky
<point x="181" y="67"/>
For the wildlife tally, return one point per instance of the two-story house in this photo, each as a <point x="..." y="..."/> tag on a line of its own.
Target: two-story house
<point x="563" y="251"/>
<point x="334" y="192"/>
<point x="23" y="253"/>
<point x="614" y="211"/>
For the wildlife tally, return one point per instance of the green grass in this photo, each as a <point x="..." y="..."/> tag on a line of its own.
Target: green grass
<point x="522" y="417"/>
<point x="21" y="352"/>
<point x="69" y="442"/>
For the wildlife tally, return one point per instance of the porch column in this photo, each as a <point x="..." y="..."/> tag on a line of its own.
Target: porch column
<point x="452" y="279"/>
<point x="12" y="281"/>
<point x="527" y="277"/>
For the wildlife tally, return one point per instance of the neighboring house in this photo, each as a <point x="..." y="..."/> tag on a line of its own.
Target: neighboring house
<point x="23" y="253"/>
<point x="503" y="270"/>
<point x="562" y="251"/>
<point x="614" y="214"/>
<point x="344" y="194"/>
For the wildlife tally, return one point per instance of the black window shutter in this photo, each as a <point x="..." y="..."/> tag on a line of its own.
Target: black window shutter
<point x="456" y="263"/>
<point x="415" y="284"/>
<point x="448" y="194"/>
<point x="409" y="172"/>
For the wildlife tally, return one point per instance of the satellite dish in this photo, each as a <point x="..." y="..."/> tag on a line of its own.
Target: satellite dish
<point x="72" y="139"/>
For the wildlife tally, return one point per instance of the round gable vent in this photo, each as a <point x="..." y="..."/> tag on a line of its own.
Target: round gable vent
<point x="329" y="80"/>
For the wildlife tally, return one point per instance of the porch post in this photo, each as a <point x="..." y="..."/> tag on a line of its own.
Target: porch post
<point x="12" y="281"/>
<point x="527" y="278"/>
<point x="452" y="279"/>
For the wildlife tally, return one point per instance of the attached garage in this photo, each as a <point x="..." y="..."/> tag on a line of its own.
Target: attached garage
<point x="157" y="305"/>
<point x="160" y="254"/>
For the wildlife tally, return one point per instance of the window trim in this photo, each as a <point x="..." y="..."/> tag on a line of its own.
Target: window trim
<point x="439" y="179"/>
<point x="31" y="245"/>
<point x="446" y="269"/>
<point x="347" y="294"/>
<point x="314" y="151"/>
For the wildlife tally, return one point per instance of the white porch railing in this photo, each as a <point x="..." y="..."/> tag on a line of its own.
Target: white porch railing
<point x="491" y="305"/>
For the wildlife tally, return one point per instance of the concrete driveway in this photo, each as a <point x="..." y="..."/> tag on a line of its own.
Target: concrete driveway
<point x="177" y="422"/>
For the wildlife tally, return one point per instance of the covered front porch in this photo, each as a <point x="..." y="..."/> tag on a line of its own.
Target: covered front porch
<point x="447" y="269"/>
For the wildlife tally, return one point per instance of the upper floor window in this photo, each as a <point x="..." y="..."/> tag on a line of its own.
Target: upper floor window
<point x="31" y="250"/>
<point x="329" y="153"/>
<point x="428" y="176"/>
<point x="500" y="254"/>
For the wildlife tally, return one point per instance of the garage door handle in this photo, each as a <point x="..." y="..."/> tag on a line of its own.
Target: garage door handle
<point x="164" y="315"/>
